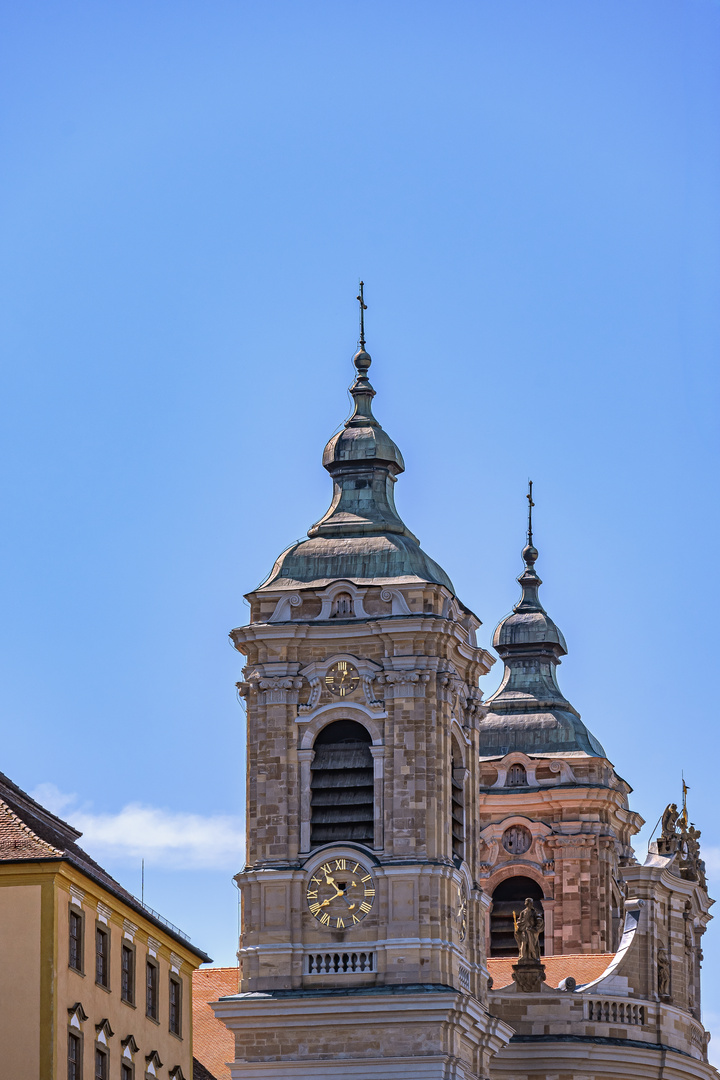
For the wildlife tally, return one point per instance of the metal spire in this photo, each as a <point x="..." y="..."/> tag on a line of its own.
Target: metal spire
<point x="530" y="510"/>
<point x="363" y="309"/>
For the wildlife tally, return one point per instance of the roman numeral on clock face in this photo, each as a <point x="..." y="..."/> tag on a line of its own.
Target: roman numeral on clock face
<point x="333" y="893"/>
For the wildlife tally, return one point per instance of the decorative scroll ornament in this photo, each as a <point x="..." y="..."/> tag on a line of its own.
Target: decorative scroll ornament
<point x="466" y="701"/>
<point x="370" y="700"/>
<point x="315" y="692"/>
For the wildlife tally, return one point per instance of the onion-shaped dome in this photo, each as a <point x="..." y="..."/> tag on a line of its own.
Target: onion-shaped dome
<point x="361" y="537"/>
<point x="529" y="712"/>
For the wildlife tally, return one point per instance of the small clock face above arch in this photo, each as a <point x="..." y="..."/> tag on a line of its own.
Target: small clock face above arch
<point x="517" y="840"/>
<point x="340" y="893"/>
<point x="342" y="678"/>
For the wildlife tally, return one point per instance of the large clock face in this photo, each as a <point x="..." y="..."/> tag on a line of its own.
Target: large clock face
<point x="340" y="893"/>
<point x="342" y="678"/>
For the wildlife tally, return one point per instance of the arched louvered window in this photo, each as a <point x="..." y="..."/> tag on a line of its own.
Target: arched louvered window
<point x="342" y="607"/>
<point x="509" y="896"/>
<point x="457" y="803"/>
<point x="342" y="786"/>
<point x="517" y="776"/>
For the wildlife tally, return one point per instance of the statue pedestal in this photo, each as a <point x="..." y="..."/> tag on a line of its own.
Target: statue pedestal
<point x="528" y="976"/>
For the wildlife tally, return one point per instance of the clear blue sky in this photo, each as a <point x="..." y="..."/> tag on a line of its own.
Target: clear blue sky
<point x="190" y="192"/>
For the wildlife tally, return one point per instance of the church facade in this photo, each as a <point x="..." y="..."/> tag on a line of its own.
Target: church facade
<point x="439" y="886"/>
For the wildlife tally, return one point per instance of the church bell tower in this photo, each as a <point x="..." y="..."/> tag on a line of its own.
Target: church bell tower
<point x="363" y="926"/>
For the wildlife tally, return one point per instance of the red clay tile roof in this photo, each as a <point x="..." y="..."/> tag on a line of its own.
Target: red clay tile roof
<point x="584" y="967"/>
<point x="213" y="1044"/>
<point x="28" y="831"/>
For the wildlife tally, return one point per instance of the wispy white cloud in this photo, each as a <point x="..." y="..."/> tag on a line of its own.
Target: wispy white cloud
<point x="53" y="799"/>
<point x="164" y="838"/>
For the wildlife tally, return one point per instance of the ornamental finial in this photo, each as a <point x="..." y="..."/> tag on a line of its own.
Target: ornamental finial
<point x="530" y="510"/>
<point x="363" y="309"/>
<point x="529" y="552"/>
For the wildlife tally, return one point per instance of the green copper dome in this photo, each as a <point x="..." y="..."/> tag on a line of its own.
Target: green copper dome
<point x="361" y="537"/>
<point x="529" y="712"/>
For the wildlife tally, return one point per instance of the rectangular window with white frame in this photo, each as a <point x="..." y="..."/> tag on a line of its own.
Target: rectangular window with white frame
<point x="151" y="990"/>
<point x="102" y="957"/>
<point x="74" y="1057"/>
<point x="175" y="997"/>
<point x="76" y="934"/>
<point x="127" y="973"/>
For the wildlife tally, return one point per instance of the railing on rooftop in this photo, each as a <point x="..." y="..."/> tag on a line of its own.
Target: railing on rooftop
<point x="161" y="919"/>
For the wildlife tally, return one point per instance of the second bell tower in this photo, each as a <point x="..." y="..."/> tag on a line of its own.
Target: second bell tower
<point x="362" y="924"/>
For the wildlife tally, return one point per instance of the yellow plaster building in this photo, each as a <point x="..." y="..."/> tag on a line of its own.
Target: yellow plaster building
<point x="93" y="985"/>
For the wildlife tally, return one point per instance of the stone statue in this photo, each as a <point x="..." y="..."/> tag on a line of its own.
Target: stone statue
<point x="669" y="822"/>
<point x="663" y="972"/>
<point x="528" y="928"/>
<point x="691" y="866"/>
<point x="695" y="864"/>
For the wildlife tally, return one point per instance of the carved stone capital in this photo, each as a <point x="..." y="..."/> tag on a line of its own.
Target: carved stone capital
<point x="399" y="684"/>
<point x="278" y="689"/>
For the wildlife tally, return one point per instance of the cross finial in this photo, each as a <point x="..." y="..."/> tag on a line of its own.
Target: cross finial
<point x="685" y="790"/>
<point x="530" y="510"/>
<point x="363" y="309"/>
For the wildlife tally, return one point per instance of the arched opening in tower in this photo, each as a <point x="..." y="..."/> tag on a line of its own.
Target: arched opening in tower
<point x="457" y="803"/>
<point x="509" y="897"/>
<point x="342" y="786"/>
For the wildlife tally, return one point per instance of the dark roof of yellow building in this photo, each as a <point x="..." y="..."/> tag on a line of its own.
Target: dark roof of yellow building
<point x="29" y="832"/>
